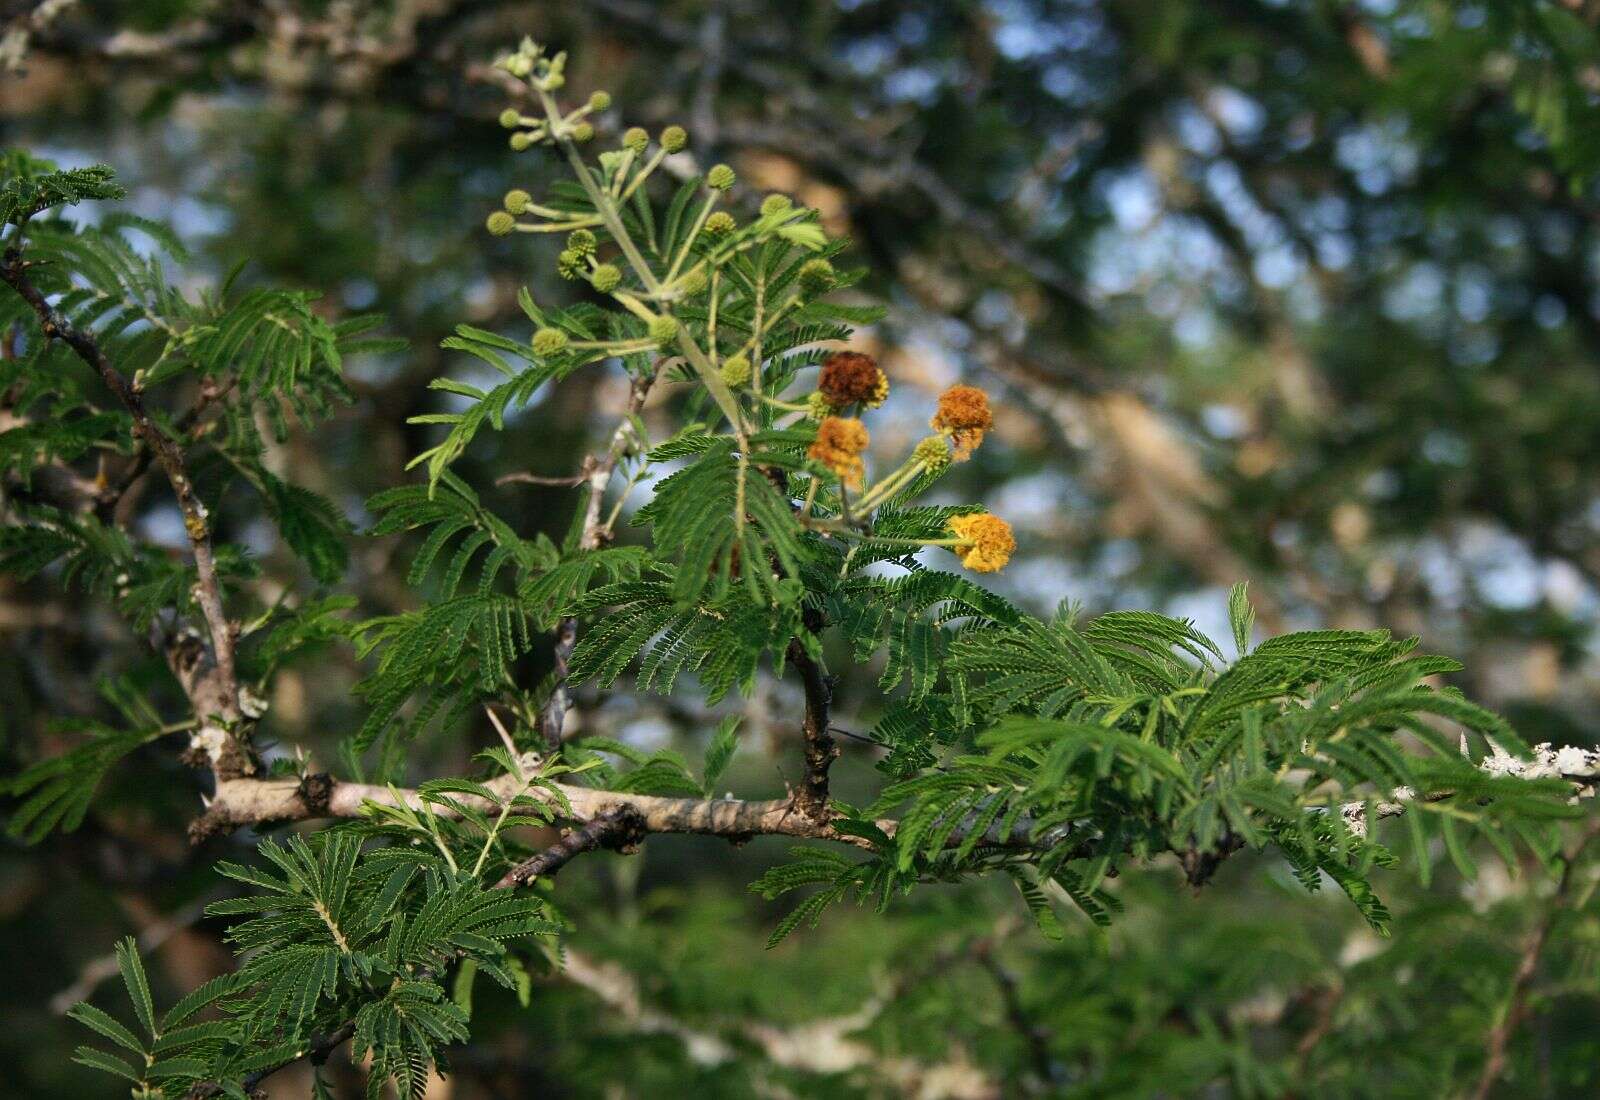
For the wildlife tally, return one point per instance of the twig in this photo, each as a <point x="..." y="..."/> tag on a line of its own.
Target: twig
<point x="821" y="750"/>
<point x="571" y="481"/>
<point x="597" y="470"/>
<point x="316" y="1053"/>
<point x="206" y="672"/>
<point x="619" y="828"/>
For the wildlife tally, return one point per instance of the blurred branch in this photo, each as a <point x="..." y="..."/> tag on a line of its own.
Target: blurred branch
<point x="1034" y="1036"/>
<point x="150" y="939"/>
<point x="817" y="1046"/>
<point x="1516" y="1005"/>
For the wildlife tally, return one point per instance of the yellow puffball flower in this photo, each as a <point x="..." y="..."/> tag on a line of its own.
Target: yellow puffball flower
<point x="963" y="416"/>
<point x="839" y="445"/>
<point x="986" y="541"/>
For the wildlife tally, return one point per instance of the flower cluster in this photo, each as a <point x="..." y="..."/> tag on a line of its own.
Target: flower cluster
<point x="678" y="303"/>
<point x="983" y="542"/>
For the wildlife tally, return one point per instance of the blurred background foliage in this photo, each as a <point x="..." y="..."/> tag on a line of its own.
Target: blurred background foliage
<point x="1300" y="292"/>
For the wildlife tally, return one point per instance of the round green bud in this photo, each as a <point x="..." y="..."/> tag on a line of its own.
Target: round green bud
<point x="554" y="81"/>
<point x="500" y="223"/>
<point x="549" y="341"/>
<point x="517" y="200"/>
<point x="736" y="371"/>
<point x="521" y="140"/>
<point x="664" y="330"/>
<point x="720" y="178"/>
<point x="775" y="204"/>
<point x="816" y="276"/>
<point x="719" y="224"/>
<point x="599" y="101"/>
<point x="817" y="406"/>
<point x="570" y="264"/>
<point x="674" y="138"/>
<point x="510" y="118"/>
<point x="519" y="65"/>
<point x="605" y="278"/>
<point x="581" y="240"/>
<point x="582" y="132"/>
<point x="635" y="139"/>
<point x="693" y="282"/>
<point x="933" y="452"/>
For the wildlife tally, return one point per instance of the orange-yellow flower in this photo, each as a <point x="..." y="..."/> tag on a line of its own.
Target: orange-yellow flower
<point x="849" y="377"/>
<point x="986" y="541"/>
<point x="839" y="445"/>
<point x="964" y="416"/>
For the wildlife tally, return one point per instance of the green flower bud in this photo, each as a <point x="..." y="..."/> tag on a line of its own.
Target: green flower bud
<point x="775" y="204"/>
<point x="674" y="138"/>
<point x="570" y="264"/>
<point x="736" y="372"/>
<point x="582" y="132"/>
<point x="719" y="224"/>
<point x="933" y="452"/>
<point x="517" y="200"/>
<point x="519" y="65"/>
<point x="664" y="330"/>
<point x="693" y="282"/>
<point x="510" y="118"/>
<point x="605" y="278"/>
<point x="720" y="178"/>
<point x="521" y="140"/>
<point x="581" y="241"/>
<point x="500" y="223"/>
<point x="599" y="101"/>
<point x="554" y="81"/>
<point x="817" y="407"/>
<point x="635" y="139"/>
<point x="816" y="276"/>
<point x="549" y="341"/>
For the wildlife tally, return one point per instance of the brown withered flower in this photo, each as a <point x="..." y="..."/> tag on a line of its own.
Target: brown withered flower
<point x="849" y="377"/>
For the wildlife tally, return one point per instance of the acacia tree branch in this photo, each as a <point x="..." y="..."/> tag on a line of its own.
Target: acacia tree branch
<point x="206" y="671"/>
<point x="249" y="802"/>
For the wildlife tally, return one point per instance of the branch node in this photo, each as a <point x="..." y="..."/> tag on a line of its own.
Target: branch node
<point x="316" y="791"/>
